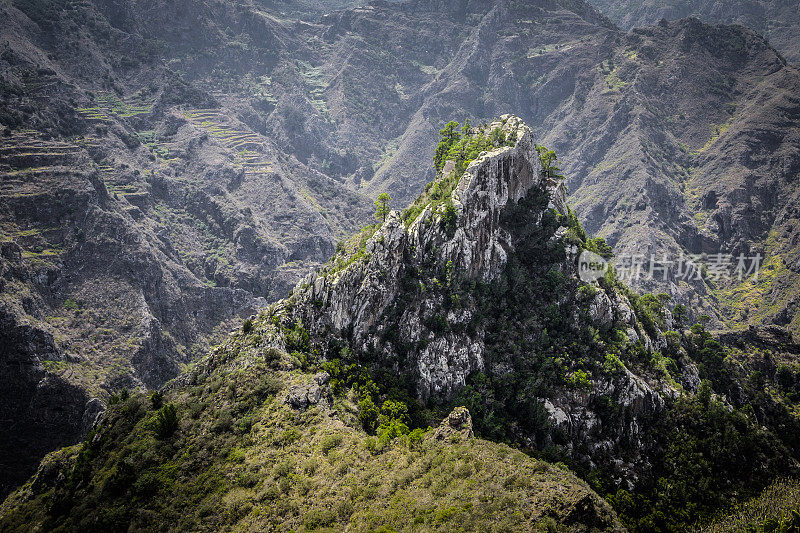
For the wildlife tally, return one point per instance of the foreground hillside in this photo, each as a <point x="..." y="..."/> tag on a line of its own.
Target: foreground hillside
<point x="237" y="457"/>
<point x="316" y="413"/>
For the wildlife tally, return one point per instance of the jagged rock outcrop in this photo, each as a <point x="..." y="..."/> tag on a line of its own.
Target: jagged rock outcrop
<point x="457" y="425"/>
<point x="301" y="397"/>
<point x="356" y="299"/>
<point x="393" y="301"/>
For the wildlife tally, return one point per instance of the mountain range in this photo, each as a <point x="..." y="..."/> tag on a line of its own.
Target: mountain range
<point x="169" y="169"/>
<point x="776" y="20"/>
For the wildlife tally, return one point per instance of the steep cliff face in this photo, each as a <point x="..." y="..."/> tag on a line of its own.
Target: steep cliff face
<point x="357" y="298"/>
<point x="425" y="298"/>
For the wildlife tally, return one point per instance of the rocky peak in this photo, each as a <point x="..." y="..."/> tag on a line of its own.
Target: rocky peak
<point x="489" y="184"/>
<point x="352" y="300"/>
<point x="426" y="295"/>
<point x="388" y="297"/>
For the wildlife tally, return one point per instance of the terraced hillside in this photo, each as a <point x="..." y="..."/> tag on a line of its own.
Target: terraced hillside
<point x="132" y="233"/>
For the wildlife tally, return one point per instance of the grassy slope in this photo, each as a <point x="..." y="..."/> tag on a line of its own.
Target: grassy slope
<point x="241" y="459"/>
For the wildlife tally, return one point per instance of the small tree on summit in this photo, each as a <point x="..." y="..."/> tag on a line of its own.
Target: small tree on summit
<point x="449" y="136"/>
<point x="382" y="206"/>
<point x="549" y="161"/>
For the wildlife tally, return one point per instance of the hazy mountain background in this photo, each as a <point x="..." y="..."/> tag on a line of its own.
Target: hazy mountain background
<point x="776" y="20"/>
<point x="171" y="167"/>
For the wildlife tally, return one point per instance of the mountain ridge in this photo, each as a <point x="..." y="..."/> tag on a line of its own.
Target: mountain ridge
<point x="777" y="21"/>
<point x="193" y="134"/>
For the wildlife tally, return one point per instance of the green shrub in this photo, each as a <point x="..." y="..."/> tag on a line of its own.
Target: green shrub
<point x="393" y="410"/>
<point x="288" y="437"/>
<point x="156" y="400"/>
<point x="119" y="397"/>
<point x="673" y="339"/>
<point x="297" y="338"/>
<point x="318" y="518"/>
<point x="270" y="385"/>
<point x="390" y="430"/>
<point x="272" y="355"/>
<point x="166" y="421"/>
<point x="122" y="476"/>
<point x="368" y="413"/>
<point x="223" y="423"/>
<point x="498" y="137"/>
<point x="680" y="313"/>
<point x="579" y="379"/>
<point x="415" y="436"/>
<point x="449" y="136"/>
<point x="612" y="364"/>
<point x="372" y="445"/>
<point x="330" y="442"/>
<point x="148" y="484"/>
<point x="393" y="421"/>
<point x="650" y="312"/>
<point x="449" y="219"/>
<point x="587" y="292"/>
<point x="598" y="245"/>
<point x="785" y="378"/>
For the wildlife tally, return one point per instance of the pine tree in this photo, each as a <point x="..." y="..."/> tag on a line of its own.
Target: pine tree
<point x="382" y="206"/>
<point x="449" y="136"/>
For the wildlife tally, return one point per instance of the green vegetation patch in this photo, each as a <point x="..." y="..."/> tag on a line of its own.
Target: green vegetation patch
<point x="108" y="105"/>
<point x="224" y="452"/>
<point x="776" y="510"/>
<point x="351" y="250"/>
<point x="462" y="148"/>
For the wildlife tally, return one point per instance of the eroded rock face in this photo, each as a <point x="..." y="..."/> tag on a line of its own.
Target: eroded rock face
<point x="356" y="299"/>
<point x="393" y="306"/>
<point x="301" y="397"/>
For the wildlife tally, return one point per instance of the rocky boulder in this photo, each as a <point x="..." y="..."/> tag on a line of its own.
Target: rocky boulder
<point x="457" y="425"/>
<point x="302" y="397"/>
